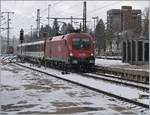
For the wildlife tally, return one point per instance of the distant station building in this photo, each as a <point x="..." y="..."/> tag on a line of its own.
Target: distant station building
<point x="113" y="28"/>
<point x="120" y="21"/>
<point x="135" y="50"/>
<point x="114" y="20"/>
<point x="135" y="44"/>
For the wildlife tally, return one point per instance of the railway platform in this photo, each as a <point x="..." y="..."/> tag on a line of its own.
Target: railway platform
<point x="138" y="73"/>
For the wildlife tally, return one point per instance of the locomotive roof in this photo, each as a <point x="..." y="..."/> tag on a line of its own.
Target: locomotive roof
<point x="57" y="38"/>
<point x="31" y="43"/>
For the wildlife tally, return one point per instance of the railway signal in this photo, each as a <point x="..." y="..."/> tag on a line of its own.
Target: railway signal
<point x="21" y="35"/>
<point x="21" y="38"/>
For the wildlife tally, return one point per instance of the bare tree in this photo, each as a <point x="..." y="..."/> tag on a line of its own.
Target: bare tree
<point x="100" y="36"/>
<point x="146" y="22"/>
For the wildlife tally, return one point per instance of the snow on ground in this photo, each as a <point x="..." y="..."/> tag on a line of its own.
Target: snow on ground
<point x="106" y="62"/>
<point x="121" y="90"/>
<point x="25" y="91"/>
<point x="120" y="64"/>
<point x="110" y="57"/>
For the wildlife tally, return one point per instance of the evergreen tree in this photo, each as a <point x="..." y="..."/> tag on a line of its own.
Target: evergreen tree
<point x="42" y="30"/>
<point x="64" y="28"/>
<point x="48" y="30"/>
<point x="70" y="28"/>
<point x="34" y="36"/>
<point x="146" y="22"/>
<point x="55" y="29"/>
<point x="100" y="42"/>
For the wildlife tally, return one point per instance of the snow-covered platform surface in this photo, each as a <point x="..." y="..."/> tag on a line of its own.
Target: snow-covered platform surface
<point x="24" y="91"/>
<point x="110" y="57"/>
<point x="120" y="64"/>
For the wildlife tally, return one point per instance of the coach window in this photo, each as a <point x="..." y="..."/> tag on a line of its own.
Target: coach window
<point x="32" y="48"/>
<point x="25" y="48"/>
<point x="36" y="48"/>
<point x="28" y="48"/>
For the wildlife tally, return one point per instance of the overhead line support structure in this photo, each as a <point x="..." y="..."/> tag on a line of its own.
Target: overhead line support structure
<point x="71" y="18"/>
<point x="49" y="14"/>
<point x="8" y="27"/>
<point x="84" y="16"/>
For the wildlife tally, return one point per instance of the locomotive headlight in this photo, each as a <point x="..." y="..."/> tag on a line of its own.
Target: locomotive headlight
<point x="71" y="54"/>
<point x="92" y="54"/>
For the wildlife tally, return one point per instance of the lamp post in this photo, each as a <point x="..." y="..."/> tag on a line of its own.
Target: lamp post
<point x="31" y="31"/>
<point x="95" y="23"/>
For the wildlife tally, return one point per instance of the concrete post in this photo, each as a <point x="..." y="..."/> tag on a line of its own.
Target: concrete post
<point x="136" y="52"/>
<point x="143" y="52"/>
<point x="131" y="51"/>
<point x="126" y="50"/>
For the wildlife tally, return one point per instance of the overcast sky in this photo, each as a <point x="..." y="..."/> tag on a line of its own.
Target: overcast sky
<point x="25" y="11"/>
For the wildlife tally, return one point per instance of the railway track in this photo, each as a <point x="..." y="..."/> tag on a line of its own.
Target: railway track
<point x="117" y="80"/>
<point x="74" y="81"/>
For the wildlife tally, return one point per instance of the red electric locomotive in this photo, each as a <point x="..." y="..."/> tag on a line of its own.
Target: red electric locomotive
<point x="73" y="50"/>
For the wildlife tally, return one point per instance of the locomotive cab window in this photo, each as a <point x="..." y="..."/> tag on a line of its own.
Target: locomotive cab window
<point x="81" y="43"/>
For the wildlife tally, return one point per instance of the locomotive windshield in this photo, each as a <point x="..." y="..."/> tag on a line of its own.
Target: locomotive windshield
<point x="80" y="43"/>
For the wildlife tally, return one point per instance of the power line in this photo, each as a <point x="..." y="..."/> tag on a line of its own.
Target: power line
<point x="97" y="9"/>
<point x="3" y="23"/>
<point x="56" y="3"/>
<point x="103" y="7"/>
<point x="66" y="18"/>
<point x="38" y="22"/>
<point x="48" y="9"/>
<point x="49" y="13"/>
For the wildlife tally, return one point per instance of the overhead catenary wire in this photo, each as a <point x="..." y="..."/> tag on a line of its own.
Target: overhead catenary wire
<point x="97" y="9"/>
<point x="107" y="5"/>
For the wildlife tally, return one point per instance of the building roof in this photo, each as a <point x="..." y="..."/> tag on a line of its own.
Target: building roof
<point x="114" y="11"/>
